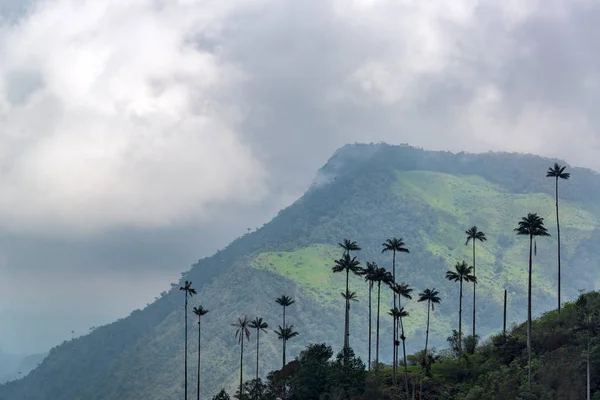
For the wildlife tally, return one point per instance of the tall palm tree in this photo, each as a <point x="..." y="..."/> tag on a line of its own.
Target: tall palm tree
<point x="349" y="245"/>
<point x="398" y="314"/>
<point x="385" y="277"/>
<point x="532" y="225"/>
<point x="347" y="264"/>
<point x="242" y="331"/>
<point x="189" y="292"/>
<point x="462" y="273"/>
<point x="284" y="301"/>
<point x="348" y="296"/>
<point x="473" y="235"/>
<point x="369" y="274"/>
<point x="200" y="312"/>
<point x="403" y="290"/>
<point x="260" y="325"/>
<point x="285" y="334"/>
<point x="590" y="326"/>
<point x="394" y="245"/>
<point x="431" y="296"/>
<point x="558" y="172"/>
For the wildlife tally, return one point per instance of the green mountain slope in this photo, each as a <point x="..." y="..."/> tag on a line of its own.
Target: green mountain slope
<point x="367" y="193"/>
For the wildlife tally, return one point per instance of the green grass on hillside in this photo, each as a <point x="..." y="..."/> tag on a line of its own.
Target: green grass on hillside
<point x="311" y="267"/>
<point x="463" y="201"/>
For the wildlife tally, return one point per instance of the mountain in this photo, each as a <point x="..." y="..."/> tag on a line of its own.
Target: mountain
<point x="367" y="193"/>
<point x="17" y="366"/>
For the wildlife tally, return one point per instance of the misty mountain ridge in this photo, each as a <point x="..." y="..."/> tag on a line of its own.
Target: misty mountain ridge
<point x="368" y="193"/>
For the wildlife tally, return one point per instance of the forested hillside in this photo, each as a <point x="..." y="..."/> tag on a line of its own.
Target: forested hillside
<point x="367" y="193"/>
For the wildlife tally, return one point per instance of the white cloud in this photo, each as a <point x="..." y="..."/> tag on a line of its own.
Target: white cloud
<point x="127" y="122"/>
<point x="147" y="113"/>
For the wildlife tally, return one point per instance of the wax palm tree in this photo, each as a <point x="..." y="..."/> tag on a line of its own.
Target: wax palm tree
<point x="462" y="273"/>
<point x="189" y="292"/>
<point x="474" y="235"/>
<point x="380" y="276"/>
<point x="558" y="172"/>
<point x="398" y="314"/>
<point x="431" y="296"/>
<point x="403" y="290"/>
<point x="347" y="264"/>
<point x="394" y="245"/>
<point x="242" y="331"/>
<point x="260" y="325"/>
<point x="589" y="325"/>
<point x="200" y="312"/>
<point x="532" y="225"/>
<point x="285" y="334"/>
<point x="349" y="296"/>
<point x="369" y="274"/>
<point x="348" y="246"/>
<point x="284" y="301"/>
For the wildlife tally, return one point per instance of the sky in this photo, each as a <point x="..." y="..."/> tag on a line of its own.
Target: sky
<point x="137" y="136"/>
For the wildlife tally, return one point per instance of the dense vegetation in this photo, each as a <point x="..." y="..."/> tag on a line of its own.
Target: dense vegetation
<point x="367" y="193"/>
<point x="496" y="371"/>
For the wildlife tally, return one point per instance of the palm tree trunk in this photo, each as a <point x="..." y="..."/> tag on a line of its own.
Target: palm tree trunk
<point x="346" y="323"/>
<point x="370" y="291"/>
<point x="460" y="320"/>
<point x="284" y="316"/>
<point x="529" y="313"/>
<point x="558" y="237"/>
<point x="425" y="354"/>
<point x="284" y="351"/>
<point x="404" y="354"/>
<point x="427" y="330"/>
<point x="185" y="348"/>
<point x="474" y="290"/>
<point x="199" y="332"/>
<point x="241" y="364"/>
<point x="395" y="356"/>
<point x="588" y="367"/>
<point x="377" y="337"/>
<point x="257" y="346"/>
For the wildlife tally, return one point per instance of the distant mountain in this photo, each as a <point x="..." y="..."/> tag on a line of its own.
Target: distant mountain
<point x="367" y="193"/>
<point x="16" y="366"/>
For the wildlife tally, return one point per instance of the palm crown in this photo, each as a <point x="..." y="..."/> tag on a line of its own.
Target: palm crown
<point x="398" y="312"/>
<point x="286" y="333"/>
<point x="382" y="276"/>
<point x="350" y="296"/>
<point x="242" y="326"/>
<point x="462" y="273"/>
<point x="557" y="171"/>
<point x="347" y="264"/>
<point x="349" y="245"/>
<point x="285" y="301"/>
<point x="394" y="244"/>
<point x="402" y="290"/>
<point x="532" y="225"/>
<point x="200" y="311"/>
<point x="188" y="289"/>
<point x="369" y="273"/>
<point x="430" y="295"/>
<point x="474" y="234"/>
<point x="258" y="324"/>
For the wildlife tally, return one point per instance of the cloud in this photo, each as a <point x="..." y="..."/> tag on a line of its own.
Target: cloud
<point x="149" y="114"/>
<point x="112" y="116"/>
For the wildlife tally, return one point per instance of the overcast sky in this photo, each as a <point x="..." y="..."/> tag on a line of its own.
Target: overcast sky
<point x="137" y="136"/>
